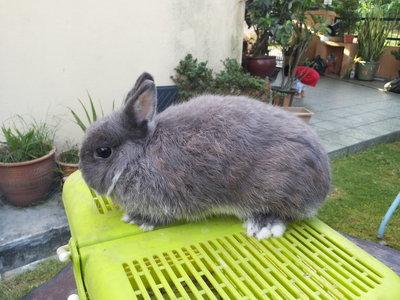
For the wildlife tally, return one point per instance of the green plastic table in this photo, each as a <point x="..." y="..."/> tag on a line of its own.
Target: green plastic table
<point x="213" y="259"/>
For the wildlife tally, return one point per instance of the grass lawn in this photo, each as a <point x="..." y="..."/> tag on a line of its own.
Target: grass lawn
<point x="364" y="186"/>
<point x="21" y="284"/>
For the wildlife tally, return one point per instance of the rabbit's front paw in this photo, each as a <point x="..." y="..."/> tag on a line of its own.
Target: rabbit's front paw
<point x="264" y="227"/>
<point x="135" y="219"/>
<point x="146" y="227"/>
<point x="125" y="218"/>
<point x="144" y="222"/>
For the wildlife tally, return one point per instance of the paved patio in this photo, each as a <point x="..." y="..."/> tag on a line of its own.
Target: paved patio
<point x="348" y="117"/>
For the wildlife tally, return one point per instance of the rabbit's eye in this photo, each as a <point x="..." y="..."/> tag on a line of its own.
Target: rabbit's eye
<point x="103" y="152"/>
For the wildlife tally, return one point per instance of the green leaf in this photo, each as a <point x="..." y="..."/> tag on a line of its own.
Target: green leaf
<point x="94" y="114"/>
<point x="86" y="112"/>
<point x="78" y="121"/>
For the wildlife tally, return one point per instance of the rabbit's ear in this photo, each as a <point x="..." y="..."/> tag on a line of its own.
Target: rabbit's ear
<point x="139" y="81"/>
<point x="141" y="106"/>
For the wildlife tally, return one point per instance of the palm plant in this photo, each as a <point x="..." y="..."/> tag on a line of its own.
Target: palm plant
<point x="373" y="32"/>
<point x="91" y="113"/>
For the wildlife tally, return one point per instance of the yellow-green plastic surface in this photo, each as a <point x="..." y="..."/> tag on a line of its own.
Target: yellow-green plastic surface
<point x="214" y="259"/>
<point x="92" y="218"/>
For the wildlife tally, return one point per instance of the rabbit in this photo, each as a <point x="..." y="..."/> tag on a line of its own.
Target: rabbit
<point x="211" y="155"/>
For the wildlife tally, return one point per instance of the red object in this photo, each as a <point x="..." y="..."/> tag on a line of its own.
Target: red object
<point x="307" y="75"/>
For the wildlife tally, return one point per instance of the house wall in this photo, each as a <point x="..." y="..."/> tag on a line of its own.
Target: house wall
<point x="53" y="52"/>
<point x="388" y="65"/>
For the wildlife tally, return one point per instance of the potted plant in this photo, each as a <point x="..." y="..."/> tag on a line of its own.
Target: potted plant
<point x="349" y="16"/>
<point x="90" y="117"/>
<point x="27" y="163"/>
<point x="372" y="34"/>
<point x="68" y="160"/>
<point x="293" y="33"/>
<point x="260" y="17"/>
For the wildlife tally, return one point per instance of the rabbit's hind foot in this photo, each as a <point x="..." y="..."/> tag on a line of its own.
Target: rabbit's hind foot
<point x="264" y="226"/>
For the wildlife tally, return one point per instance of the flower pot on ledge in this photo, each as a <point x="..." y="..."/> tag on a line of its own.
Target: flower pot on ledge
<point x="348" y="38"/>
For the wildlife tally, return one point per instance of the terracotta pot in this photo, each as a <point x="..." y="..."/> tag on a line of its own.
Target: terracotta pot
<point x="348" y="38"/>
<point x="261" y="66"/>
<point x="66" y="169"/>
<point x="282" y="97"/>
<point x="301" y="112"/>
<point x="28" y="182"/>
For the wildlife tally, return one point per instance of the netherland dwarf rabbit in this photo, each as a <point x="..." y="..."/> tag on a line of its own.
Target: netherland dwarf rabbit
<point x="210" y="155"/>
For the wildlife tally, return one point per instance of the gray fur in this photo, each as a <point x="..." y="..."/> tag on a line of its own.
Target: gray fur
<point x="210" y="155"/>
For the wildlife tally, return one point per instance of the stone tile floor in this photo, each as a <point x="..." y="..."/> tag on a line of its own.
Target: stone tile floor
<point x="349" y="117"/>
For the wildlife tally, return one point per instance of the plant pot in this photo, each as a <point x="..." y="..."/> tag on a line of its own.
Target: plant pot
<point x="348" y="38"/>
<point x="282" y="97"/>
<point x="301" y="112"/>
<point x="366" y="70"/>
<point x="28" y="182"/>
<point x="261" y="66"/>
<point x="65" y="168"/>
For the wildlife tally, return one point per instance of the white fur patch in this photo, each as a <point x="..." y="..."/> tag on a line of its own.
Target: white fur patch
<point x="151" y="126"/>
<point x="114" y="182"/>
<point x="125" y="218"/>
<point x="251" y="228"/>
<point x="245" y="224"/>
<point x="274" y="229"/>
<point x="278" y="229"/>
<point x="264" y="233"/>
<point x="146" y="227"/>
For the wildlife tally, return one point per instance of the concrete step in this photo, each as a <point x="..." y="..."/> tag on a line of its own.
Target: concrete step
<point x="32" y="233"/>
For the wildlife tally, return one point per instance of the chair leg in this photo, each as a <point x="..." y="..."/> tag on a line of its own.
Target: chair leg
<point x="388" y="215"/>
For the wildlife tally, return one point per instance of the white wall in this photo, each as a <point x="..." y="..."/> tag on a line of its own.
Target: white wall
<point x="52" y="52"/>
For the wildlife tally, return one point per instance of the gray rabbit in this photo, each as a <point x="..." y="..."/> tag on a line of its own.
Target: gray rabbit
<point x="210" y="155"/>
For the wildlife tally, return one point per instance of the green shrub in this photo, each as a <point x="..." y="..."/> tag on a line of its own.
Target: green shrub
<point x="195" y="78"/>
<point x="234" y="81"/>
<point x="34" y="140"/>
<point x="192" y="78"/>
